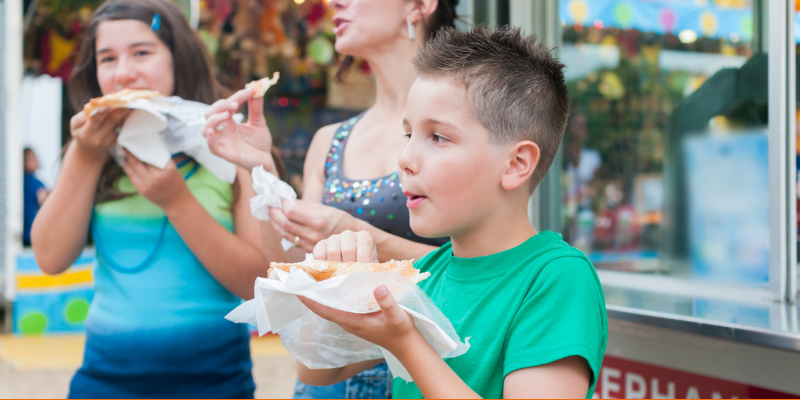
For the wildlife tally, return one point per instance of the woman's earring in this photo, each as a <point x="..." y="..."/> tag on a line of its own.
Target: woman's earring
<point x="412" y="34"/>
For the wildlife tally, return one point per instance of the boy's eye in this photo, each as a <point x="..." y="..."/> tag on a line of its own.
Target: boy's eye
<point x="408" y="135"/>
<point x="439" y="139"/>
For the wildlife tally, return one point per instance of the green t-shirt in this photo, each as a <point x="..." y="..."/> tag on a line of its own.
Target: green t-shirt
<point x="527" y="306"/>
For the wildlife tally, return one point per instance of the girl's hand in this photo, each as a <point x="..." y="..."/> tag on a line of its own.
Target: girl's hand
<point x="311" y="222"/>
<point x="94" y="136"/>
<point x="164" y="187"/>
<point x="246" y="145"/>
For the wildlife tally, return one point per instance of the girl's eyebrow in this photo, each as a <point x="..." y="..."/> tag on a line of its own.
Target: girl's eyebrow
<point x="106" y="49"/>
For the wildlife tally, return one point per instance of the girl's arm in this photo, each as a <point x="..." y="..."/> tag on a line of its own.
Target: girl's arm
<point x="233" y="259"/>
<point x="61" y="227"/>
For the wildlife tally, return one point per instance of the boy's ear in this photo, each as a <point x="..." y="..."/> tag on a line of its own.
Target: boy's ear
<point x="522" y="161"/>
<point x="421" y="9"/>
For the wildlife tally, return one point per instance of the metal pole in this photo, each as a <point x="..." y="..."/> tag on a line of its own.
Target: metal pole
<point x="540" y="17"/>
<point x="781" y="228"/>
<point x="12" y="66"/>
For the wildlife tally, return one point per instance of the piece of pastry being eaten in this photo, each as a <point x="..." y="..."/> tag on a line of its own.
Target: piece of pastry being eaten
<point x="262" y="85"/>
<point x="121" y="99"/>
<point x="322" y="270"/>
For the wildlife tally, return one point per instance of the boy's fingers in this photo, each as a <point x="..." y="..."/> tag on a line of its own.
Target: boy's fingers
<point x="331" y="314"/>
<point x="365" y="247"/>
<point x="387" y="303"/>
<point x="334" y="249"/>
<point x="321" y="250"/>
<point x="347" y="246"/>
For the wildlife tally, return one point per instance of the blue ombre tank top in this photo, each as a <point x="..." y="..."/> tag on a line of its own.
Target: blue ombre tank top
<point x="160" y="331"/>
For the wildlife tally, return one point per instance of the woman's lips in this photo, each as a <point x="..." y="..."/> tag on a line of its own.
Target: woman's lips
<point x="340" y="26"/>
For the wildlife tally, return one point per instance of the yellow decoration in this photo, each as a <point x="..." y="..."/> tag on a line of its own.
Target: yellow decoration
<point x="731" y="3"/>
<point x="579" y="10"/>
<point x="47" y="281"/>
<point x="611" y="86"/>
<point x="708" y="22"/>
<point x="61" y="49"/>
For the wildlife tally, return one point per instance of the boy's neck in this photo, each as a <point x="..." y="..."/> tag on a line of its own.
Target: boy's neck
<point x="505" y="229"/>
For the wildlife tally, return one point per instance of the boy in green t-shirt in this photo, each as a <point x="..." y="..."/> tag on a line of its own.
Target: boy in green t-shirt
<point x="484" y="119"/>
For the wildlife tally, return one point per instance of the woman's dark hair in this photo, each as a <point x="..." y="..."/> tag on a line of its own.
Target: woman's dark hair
<point x="194" y="78"/>
<point x="443" y="17"/>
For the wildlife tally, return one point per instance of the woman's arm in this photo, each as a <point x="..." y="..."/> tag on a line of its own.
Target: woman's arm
<point x="61" y="227"/>
<point x="234" y="260"/>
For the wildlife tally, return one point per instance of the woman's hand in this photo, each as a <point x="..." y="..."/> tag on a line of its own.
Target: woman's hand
<point x="311" y="222"/>
<point x="94" y="136"/>
<point x="164" y="187"/>
<point x="246" y="145"/>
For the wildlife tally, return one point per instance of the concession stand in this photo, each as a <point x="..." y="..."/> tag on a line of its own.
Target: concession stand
<point x="677" y="177"/>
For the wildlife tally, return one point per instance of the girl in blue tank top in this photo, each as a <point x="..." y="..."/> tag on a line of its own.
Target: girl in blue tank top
<point x="176" y="248"/>
<point x="351" y="176"/>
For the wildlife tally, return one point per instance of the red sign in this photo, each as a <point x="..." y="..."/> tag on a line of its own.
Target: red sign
<point x="626" y="379"/>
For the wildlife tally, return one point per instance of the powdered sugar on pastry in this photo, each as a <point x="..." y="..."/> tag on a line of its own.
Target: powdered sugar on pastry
<point x="262" y="85"/>
<point x="321" y="270"/>
<point x="120" y="99"/>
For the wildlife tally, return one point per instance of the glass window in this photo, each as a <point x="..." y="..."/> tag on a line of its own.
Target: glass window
<point x="665" y="157"/>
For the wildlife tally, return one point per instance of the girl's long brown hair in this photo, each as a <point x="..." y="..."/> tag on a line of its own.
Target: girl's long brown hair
<point x="194" y="78"/>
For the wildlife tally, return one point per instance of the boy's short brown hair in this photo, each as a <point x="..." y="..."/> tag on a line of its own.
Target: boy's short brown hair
<point x="514" y="85"/>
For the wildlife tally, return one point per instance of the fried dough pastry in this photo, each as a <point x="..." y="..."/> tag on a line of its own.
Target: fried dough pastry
<point x="321" y="270"/>
<point x="119" y="99"/>
<point x="261" y="85"/>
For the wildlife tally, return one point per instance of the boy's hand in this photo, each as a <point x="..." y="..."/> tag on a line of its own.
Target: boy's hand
<point x="347" y="246"/>
<point x="391" y="328"/>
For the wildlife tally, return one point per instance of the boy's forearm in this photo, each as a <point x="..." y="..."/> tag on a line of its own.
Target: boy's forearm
<point x="331" y="376"/>
<point x="434" y="378"/>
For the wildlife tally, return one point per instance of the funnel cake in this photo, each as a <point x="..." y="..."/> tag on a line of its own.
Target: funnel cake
<point x="120" y="99"/>
<point x="322" y="270"/>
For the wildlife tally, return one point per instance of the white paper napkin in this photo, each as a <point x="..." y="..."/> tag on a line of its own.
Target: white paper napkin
<point x="270" y="192"/>
<point x="160" y="127"/>
<point x="318" y="343"/>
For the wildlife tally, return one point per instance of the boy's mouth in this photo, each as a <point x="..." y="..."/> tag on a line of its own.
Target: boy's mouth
<point x="414" y="200"/>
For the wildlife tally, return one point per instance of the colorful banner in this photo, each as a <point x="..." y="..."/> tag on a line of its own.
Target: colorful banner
<point x="52" y="303"/>
<point x="704" y="19"/>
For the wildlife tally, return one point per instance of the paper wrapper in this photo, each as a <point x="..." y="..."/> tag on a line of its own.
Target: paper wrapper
<point x="270" y="192"/>
<point x="318" y="343"/>
<point x="160" y="127"/>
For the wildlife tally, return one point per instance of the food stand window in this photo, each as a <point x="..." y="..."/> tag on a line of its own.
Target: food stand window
<point x="676" y="175"/>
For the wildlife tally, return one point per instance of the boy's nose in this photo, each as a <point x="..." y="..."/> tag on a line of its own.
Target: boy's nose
<point x="407" y="163"/>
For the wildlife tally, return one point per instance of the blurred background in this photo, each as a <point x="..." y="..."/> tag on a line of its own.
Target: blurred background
<point x="677" y="174"/>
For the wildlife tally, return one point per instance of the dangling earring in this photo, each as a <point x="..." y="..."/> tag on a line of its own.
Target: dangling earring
<point x="412" y="34"/>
